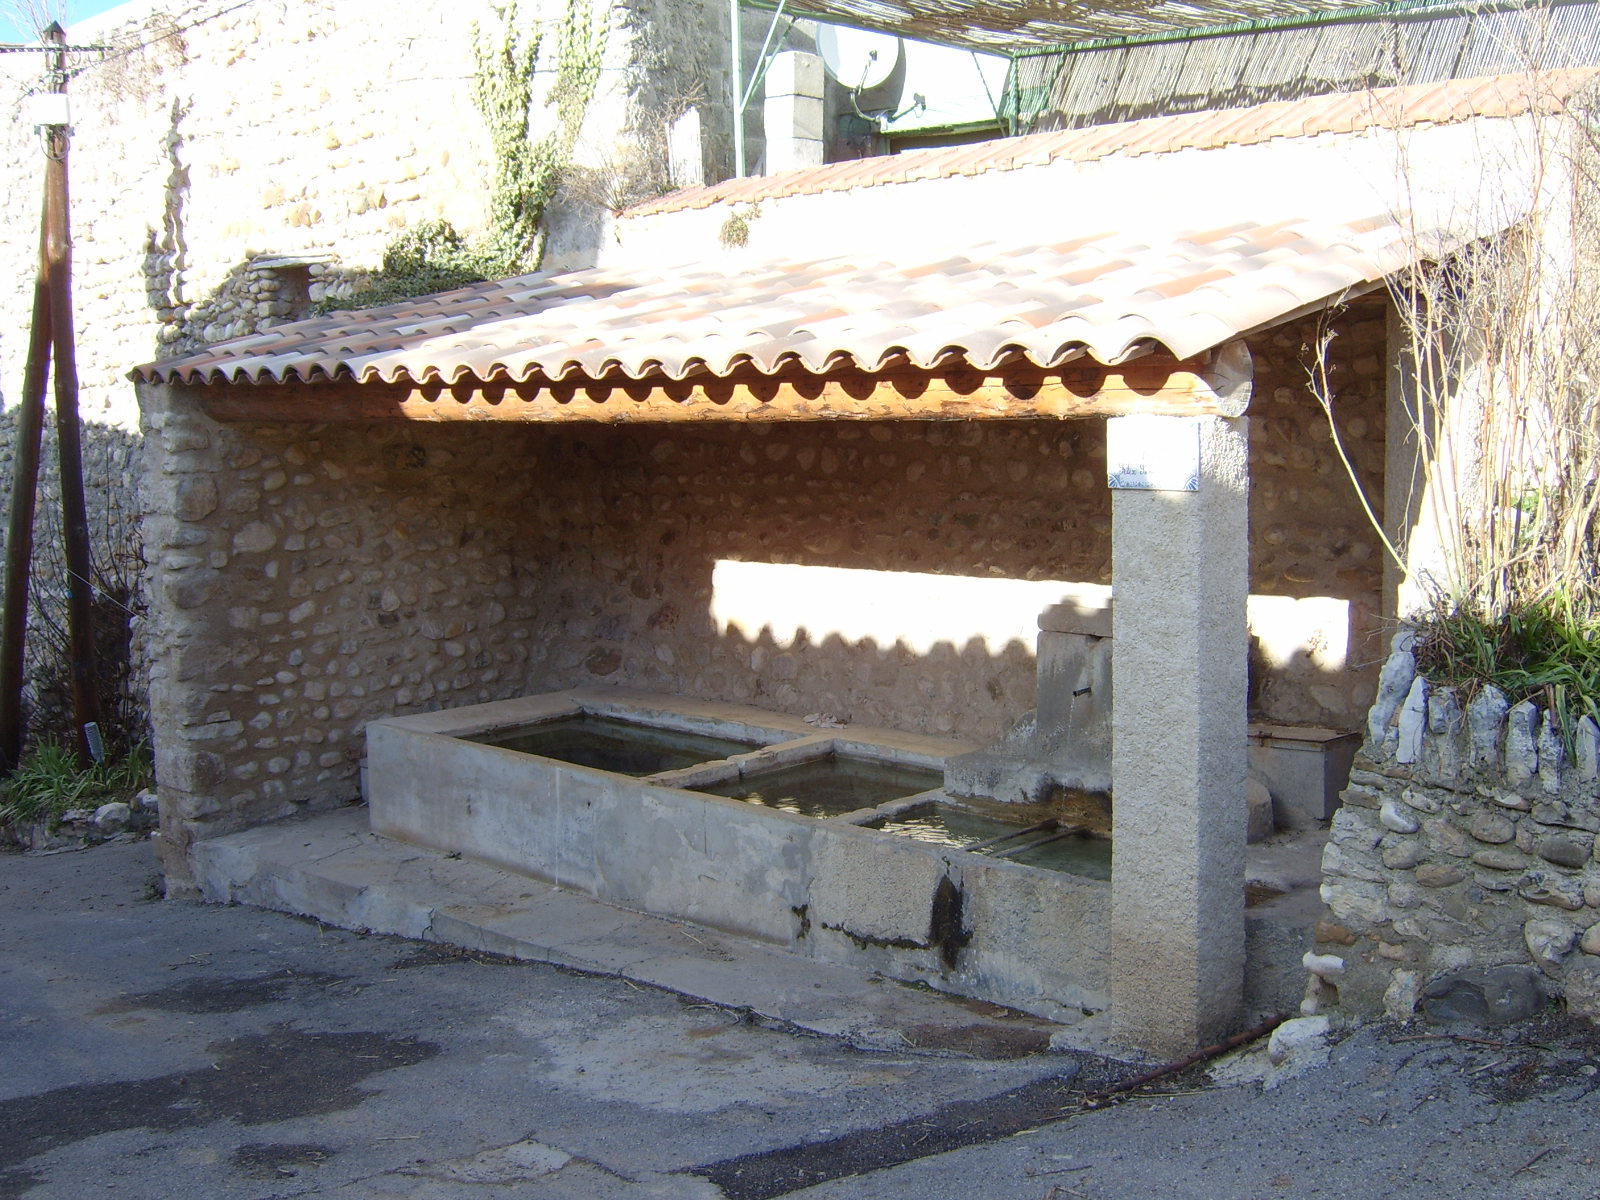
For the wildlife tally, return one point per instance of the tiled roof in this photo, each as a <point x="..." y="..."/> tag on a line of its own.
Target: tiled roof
<point x="1110" y="295"/>
<point x="1122" y="285"/>
<point x="1391" y="107"/>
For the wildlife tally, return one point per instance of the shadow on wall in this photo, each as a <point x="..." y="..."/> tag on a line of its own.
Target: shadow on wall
<point x="593" y="556"/>
<point x="633" y="524"/>
<point x="334" y="573"/>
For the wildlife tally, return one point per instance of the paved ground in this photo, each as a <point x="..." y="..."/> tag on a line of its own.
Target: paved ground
<point x="155" y="1049"/>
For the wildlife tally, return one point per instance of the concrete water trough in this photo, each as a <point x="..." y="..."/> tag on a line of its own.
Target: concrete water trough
<point x="833" y="843"/>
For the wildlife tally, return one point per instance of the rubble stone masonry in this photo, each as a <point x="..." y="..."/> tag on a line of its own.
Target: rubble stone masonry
<point x="309" y="578"/>
<point x="1468" y="840"/>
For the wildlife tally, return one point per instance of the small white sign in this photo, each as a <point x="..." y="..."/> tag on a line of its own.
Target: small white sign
<point x="46" y="108"/>
<point x="1153" y="454"/>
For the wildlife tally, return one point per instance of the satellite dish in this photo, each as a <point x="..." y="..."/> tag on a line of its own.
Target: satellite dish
<point x="857" y="58"/>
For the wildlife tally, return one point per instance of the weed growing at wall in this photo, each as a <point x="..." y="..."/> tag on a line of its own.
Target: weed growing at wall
<point x="1545" y="652"/>
<point x="50" y="781"/>
<point x="434" y="256"/>
<point x="735" y="231"/>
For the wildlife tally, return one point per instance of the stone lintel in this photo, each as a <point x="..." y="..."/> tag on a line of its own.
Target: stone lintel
<point x="1078" y="614"/>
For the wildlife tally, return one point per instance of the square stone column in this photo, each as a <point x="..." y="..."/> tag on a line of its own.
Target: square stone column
<point x="1180" y="576"/>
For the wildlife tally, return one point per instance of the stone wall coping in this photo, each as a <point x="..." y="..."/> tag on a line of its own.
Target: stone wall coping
<point x="1424" y="731"/>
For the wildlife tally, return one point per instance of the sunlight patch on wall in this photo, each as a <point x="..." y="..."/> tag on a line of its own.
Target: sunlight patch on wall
<point x="921" y="611"/>
<point x="1301" y="630"/>
<point x="884" y="607"/>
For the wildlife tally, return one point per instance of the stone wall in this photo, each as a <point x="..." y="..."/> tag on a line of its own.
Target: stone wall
<point x="1466" y="842"/>
<point x="304" y="580"/>
<point x="1316" y="563"/>
<point x="309" y="578"/>
<point x="233" y="163"/>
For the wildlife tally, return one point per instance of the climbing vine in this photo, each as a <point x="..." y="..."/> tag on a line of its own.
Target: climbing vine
<point x="432" y="256"/>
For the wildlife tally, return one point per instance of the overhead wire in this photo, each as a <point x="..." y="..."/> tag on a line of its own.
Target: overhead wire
<point x="111" y="51"/>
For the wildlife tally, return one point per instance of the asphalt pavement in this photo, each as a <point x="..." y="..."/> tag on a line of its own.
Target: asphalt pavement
<point x="166" y="1049"/>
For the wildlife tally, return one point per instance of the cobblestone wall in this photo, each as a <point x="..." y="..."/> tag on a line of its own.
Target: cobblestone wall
<point x="304" y="580"/>
<point x="1467" y="841"/>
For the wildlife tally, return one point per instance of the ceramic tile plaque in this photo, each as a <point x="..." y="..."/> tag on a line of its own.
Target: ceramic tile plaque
<point x="1153" y="454"/>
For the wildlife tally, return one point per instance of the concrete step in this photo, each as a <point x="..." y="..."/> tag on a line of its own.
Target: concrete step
<point x="332" y="868"/>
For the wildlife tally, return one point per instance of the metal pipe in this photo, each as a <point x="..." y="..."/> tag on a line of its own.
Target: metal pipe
<point x="1064" y="832"/>
<point x="764" y="61"/>
<point x="1040" y="827"/>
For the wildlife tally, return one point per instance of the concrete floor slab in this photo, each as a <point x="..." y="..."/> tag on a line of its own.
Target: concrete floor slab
<point x="183" y="1051"/>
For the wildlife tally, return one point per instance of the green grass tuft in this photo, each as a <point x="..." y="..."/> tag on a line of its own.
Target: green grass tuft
<point x="1547" y="652"/>
<point x="49" y="781"/>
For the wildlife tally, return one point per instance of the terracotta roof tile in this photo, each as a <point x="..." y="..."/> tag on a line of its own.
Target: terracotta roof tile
<point x="1411" y="105"/>
<point x="1109" y="295"/>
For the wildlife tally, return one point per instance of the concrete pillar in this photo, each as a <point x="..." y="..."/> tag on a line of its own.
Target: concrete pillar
<point x="1180" y="575"/>
<point x="793" y="111"/>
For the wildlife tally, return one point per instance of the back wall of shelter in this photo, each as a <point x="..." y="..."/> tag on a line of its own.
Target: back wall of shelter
<point x="310" y="578"/>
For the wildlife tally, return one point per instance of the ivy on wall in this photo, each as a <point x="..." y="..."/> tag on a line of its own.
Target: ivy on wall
<point x="433" y="256"/>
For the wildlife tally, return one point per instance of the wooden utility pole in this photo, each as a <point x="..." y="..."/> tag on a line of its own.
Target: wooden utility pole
<point x="69" y="429"/>
<point x="52" y="332"/>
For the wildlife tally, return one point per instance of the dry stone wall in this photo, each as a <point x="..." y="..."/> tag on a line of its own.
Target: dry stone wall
<point x="305" y="579"/>
<point x="1467" y="843"/>
<point x="632" y="524"/>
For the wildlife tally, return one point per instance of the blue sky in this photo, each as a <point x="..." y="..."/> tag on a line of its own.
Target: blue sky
<point x="12" y="30"/>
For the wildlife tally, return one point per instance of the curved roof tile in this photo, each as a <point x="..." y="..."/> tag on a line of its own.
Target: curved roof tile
<point x="1113" y="296"/>
<point x="1344" y="112"/>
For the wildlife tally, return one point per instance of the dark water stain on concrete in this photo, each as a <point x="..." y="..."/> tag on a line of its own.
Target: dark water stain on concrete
<point x="279" y="1160"/>
<point x="770" y="1173"/>
<point x="227" y="995"/>
<point x="990" y="1040"/>
<point x="14" y="1184"/>
<point x="256" y="1080"/>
